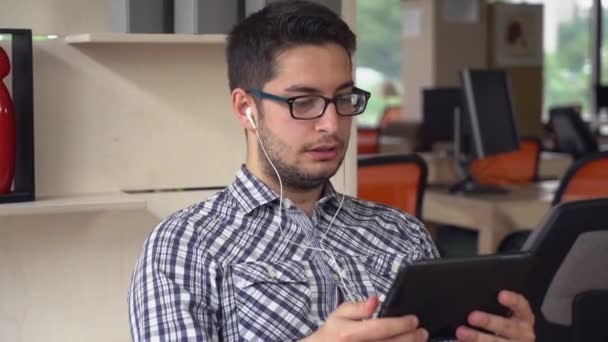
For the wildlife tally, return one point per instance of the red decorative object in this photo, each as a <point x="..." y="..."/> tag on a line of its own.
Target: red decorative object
<point x="7" y="129"/>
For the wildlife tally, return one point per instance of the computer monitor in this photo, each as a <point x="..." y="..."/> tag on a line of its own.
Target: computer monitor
<point x="438" y="105"/>
<point x="487" y="124"/>
<point x="489" y="111"/>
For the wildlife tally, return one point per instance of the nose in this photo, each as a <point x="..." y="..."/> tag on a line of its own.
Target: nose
<point x="328" y="122"/>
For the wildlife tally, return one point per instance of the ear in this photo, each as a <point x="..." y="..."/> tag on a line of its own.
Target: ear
<point x="241" y="104"/>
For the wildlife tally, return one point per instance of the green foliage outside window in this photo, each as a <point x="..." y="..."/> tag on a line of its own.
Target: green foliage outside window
<point x="567" y="71"/>
<point x="379" y="53"/>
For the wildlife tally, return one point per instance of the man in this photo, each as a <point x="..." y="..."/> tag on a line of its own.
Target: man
<point x="279" y="255"/>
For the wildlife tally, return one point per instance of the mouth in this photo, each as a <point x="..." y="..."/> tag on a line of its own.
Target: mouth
<point x="324" y="152"/>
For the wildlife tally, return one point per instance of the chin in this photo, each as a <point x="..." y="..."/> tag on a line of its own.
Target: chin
<point x="327" y="170"/>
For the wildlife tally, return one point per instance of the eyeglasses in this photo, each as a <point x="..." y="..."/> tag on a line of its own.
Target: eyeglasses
<point x="308" y="107"/>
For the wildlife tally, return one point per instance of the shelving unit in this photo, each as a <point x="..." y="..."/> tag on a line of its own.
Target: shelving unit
<point x="144" y="38"/>
<point x="74" y="203"/>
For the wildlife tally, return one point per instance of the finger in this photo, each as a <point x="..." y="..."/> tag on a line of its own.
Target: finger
<point x="507" y="327"/>
<point x="357" y="310"/>
<point x="385" y="328"/>
<point x="518" y="304"/>
<point x="419" y="335"/>
<point x="466" y="334"/>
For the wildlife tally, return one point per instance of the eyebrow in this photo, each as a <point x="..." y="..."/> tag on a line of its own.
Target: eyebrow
<point x="311" y="90"/>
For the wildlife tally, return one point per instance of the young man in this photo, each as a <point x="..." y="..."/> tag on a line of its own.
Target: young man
<point x="279" y="255"/>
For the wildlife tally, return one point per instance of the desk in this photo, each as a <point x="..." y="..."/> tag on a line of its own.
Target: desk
<point x="493" y="216"/>
<point x="384" y="144"/>
<point x="441" y="169"/>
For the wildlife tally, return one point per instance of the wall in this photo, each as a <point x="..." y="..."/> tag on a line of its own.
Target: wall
<point x="433" y="57"/>
<point x="113" y="117"/>
<point x="418" y="55"/>
<point x="64" y="277"/>
<point x="458" y="46"/>
<point x="56" y="16"/>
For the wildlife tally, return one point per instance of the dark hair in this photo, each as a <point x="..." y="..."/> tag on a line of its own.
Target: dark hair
<point x="254" y="43"/>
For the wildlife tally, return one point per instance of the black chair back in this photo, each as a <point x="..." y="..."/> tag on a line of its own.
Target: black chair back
<point x="572" y="135"/>
<point x="568" y="282"/>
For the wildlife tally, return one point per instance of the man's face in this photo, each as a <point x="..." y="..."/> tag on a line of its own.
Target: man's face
<point x="306" y="152"/>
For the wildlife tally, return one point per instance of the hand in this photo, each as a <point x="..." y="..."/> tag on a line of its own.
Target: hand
<point x="350" y="322"/>
<point x="518" y="327"/>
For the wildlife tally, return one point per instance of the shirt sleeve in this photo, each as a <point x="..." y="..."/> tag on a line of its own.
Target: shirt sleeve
<point x="423" y="238"/>
<point x="173" y="294"/>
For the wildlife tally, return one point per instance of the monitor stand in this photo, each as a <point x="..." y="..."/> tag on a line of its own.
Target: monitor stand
<point x="461" y="161"/>
<point x="469" y="186"/>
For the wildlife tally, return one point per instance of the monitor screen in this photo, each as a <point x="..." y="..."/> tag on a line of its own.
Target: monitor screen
<point x="489" y="112"/>
<point x="438" y="106"/>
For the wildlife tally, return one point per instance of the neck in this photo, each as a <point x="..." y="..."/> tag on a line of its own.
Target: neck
<point x="304" y="200"/>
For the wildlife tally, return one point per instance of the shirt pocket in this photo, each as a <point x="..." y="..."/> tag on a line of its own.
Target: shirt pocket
<point x="273" y="300"/>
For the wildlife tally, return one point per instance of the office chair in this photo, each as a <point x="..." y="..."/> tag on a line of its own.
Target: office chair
<point x="397" y="180"/>
<point x="571" y="134"/>
<point x="389" y="114"/>
<point x="585" y="179"/>
<point x="567" y="286"/>
<point x="368" y="140"/>
<point x="518" y="167"/>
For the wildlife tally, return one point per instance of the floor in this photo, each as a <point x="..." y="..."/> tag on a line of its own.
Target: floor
<point x="455" y="242"/>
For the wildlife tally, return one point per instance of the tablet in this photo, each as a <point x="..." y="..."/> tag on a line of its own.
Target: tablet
<point x="442" y="293"/>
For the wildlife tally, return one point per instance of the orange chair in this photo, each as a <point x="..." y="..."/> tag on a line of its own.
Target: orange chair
<point x="390" y="114"/>
<point x="586" y="178"/>
<point x="517" y="167"/>
<point x="395" y="180"/>
<point x="368" y="140"/>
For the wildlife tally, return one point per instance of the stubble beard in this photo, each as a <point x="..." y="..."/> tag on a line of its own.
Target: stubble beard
<point x="292" y="176"/>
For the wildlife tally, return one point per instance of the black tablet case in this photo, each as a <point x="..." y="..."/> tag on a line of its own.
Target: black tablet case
<point x="442" y="293"/>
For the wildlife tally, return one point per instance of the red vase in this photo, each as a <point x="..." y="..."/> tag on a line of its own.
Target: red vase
<point x="7" y="129"/>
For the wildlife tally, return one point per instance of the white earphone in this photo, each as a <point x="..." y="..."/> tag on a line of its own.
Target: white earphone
<point x="346" y="287"/>
<point x="250" y="117"/>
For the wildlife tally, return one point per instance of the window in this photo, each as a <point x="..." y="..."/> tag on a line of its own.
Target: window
<point x="378" y="59"/>
<point x="604" y="53"/>
<point x="568" y="54"/>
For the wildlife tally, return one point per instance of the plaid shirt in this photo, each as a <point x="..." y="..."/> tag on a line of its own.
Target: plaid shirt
<point x="227" y="269"/>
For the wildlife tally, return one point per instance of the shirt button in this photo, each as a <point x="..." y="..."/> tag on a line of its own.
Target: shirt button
<point x="272" y="274"/>
<point x="336" y="277"/>
<point x="395" y="267"/>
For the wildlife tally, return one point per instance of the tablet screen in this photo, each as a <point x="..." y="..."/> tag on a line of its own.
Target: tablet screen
<point x="442" y="293"/>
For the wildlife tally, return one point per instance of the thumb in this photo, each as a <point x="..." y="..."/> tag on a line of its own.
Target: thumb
<point x="357" y="310"/>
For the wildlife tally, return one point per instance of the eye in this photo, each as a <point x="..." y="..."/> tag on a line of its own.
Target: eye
<point x="305" y="103"/>
<point x="347" y="100"/>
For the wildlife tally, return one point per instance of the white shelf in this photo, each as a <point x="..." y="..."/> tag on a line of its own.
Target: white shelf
<point x="145" y="38"/>
<point x="74" y="203"/>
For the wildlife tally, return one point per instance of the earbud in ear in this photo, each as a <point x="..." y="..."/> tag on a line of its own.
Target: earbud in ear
<point x="250" y="117"/>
